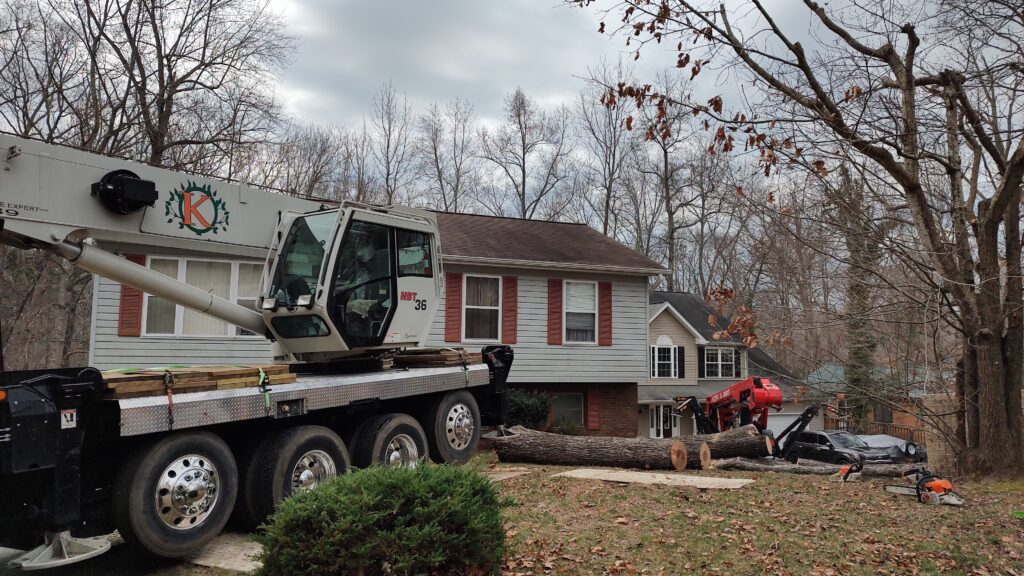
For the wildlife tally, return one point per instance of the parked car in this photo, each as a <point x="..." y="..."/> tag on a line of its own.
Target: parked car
<point x="899" y="450"/>
<point x="836" y="447"/>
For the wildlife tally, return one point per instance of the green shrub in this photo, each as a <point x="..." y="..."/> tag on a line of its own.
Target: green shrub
<point x="564" y="425"/>
<point x="426" y="520"/>
<point x="529" y="409"/>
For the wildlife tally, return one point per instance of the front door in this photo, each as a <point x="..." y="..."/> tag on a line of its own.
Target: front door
<point x="664" y="421"/>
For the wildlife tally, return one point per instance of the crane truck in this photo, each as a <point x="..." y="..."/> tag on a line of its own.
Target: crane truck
<point x="340" y="282"/>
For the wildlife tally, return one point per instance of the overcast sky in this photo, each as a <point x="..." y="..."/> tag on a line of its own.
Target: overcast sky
<point x="437" y="50"/>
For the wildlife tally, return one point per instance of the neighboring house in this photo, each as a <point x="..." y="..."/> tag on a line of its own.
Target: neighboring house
<point x="571" y="302"/>
<point x="686" y="361"/>
<point x="905" y="388"/>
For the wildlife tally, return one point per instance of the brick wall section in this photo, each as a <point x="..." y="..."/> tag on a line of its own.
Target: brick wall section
<point x="618" y="406"/>
<point x="941" y="455"/>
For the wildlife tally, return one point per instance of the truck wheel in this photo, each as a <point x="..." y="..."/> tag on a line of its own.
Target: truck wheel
<point x="453" y="428"/>
<point x="390" y="440"/>
<point x="173" y="497"/>
<point x="287" y="462"/>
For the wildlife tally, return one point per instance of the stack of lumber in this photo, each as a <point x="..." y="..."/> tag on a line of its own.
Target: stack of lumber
<point x="150" y="382"/>
<point x="436" y="357"/>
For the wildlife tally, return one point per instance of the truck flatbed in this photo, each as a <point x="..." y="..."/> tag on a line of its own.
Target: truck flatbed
<point x="152" y="414"/>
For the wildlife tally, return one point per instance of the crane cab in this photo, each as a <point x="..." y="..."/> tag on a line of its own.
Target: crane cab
<point x="352" y="278"/>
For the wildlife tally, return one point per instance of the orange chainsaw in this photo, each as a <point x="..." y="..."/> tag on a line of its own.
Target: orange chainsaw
<point x="927" y="488"/>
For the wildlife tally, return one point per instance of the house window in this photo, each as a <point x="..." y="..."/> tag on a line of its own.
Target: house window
<point x="581" y="312"/>
<point x="482" y="310"/>
<point x="720" y="363"/>
<point x="663" y="360"/>
<point x="567" y="408"/>
<point x="234" y="281"/>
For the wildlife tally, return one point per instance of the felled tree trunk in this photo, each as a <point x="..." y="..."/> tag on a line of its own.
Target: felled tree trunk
<point x="650" y="453"/>
<point x="805" y="467"/>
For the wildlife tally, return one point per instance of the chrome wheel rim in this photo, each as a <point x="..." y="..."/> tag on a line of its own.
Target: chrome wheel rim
<point x="187" y="492"/>
<point x="459" y="426"/>
<point x="312" y="469"/>
<point x="402" y="452"/>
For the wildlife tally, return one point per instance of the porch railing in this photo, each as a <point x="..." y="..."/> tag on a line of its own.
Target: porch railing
<point x="898" y="430"/>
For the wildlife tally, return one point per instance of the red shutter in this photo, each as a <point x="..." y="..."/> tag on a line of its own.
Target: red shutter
<point x="509" y="309"/>
<point x="604" y="313"/>
<point x="593" y="410"/>
<point x="129" y="316"/>
<point x="554" y="311"/>
<point x="453" y="307"/>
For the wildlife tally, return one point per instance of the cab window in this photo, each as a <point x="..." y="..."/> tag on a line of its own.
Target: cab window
<point x="363" y="288"/>
<point x="413" y="253"/>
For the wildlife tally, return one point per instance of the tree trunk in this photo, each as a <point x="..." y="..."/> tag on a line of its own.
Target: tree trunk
<point x="649" y="453"/>
<point x="770" y="465"/>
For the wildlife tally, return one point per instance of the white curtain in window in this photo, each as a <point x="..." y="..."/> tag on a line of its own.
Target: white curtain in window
<point x="482" y="308"/>
<point x="248" y="289"/>
<point x="580" y="311"/>
<point x="160" y="312"/>
<point x="212" y="277"/>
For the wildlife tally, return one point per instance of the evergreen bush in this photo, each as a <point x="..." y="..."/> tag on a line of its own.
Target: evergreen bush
<point x="529" y="409"/>
<point x="396" y="521"/>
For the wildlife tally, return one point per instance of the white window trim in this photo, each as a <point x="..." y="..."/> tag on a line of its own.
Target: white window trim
<point x="674" y="354"/>
<point x="735" y="350"/>
<point x="565" y="301"/>
<point x="465" y="305"/>
<point x="179" y="310"/>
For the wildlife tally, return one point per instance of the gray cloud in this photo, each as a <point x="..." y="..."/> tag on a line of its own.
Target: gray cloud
<point x="438" y="50"/>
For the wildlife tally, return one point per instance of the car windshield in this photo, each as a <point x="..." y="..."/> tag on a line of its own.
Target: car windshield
<point x="848" y="441"/>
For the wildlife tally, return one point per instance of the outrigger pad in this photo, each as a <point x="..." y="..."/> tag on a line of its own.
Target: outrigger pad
<point x="60" y="549"/>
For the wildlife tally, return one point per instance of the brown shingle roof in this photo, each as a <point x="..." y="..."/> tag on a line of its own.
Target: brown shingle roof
<point x="476" y="237"/>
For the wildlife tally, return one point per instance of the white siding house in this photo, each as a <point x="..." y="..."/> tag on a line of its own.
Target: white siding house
<point x="571" y="302"/>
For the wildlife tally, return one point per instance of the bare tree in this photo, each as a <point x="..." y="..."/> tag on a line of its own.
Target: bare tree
<point x="358" y="175"/>
<point x="392" y="149"/>
<point x="531" y="155"/>
<point x="608" y="144"/>
<point x="448" y="148"/>
<point x="920" y="97"/>
<point x="179" y="57"/>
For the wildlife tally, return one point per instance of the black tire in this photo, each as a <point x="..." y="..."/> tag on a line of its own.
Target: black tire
<point x="390" y="439"/>
<point x="157" y="471"/>
<point x="267" y="477"/>
<point x="445" y="424"/>
<point x="843" y="461"/>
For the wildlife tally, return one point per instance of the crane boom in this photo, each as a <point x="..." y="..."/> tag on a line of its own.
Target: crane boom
<point x="336" y="280"/>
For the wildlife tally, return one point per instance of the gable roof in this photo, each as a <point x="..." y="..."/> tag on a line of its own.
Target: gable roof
<point x="655" y="310"/>
<point x="696" y="311"/>
<point x="477" y="239"/>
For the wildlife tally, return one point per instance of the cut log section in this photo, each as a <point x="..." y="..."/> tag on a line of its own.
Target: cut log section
<point x="806" y="467"/>
<point x="647" y="453"/>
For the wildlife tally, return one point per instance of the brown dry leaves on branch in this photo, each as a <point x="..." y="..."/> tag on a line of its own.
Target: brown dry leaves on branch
<point x="743" y="324"/>
<point x="644" y="20"/>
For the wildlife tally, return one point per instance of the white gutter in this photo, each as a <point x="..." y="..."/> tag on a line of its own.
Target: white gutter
<point x="556" y="266"/>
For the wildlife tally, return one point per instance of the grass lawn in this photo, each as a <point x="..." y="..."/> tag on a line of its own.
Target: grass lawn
<point x="781" y="524"/>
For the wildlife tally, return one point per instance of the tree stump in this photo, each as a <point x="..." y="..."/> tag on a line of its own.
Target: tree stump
<point x="647" y="453"/>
